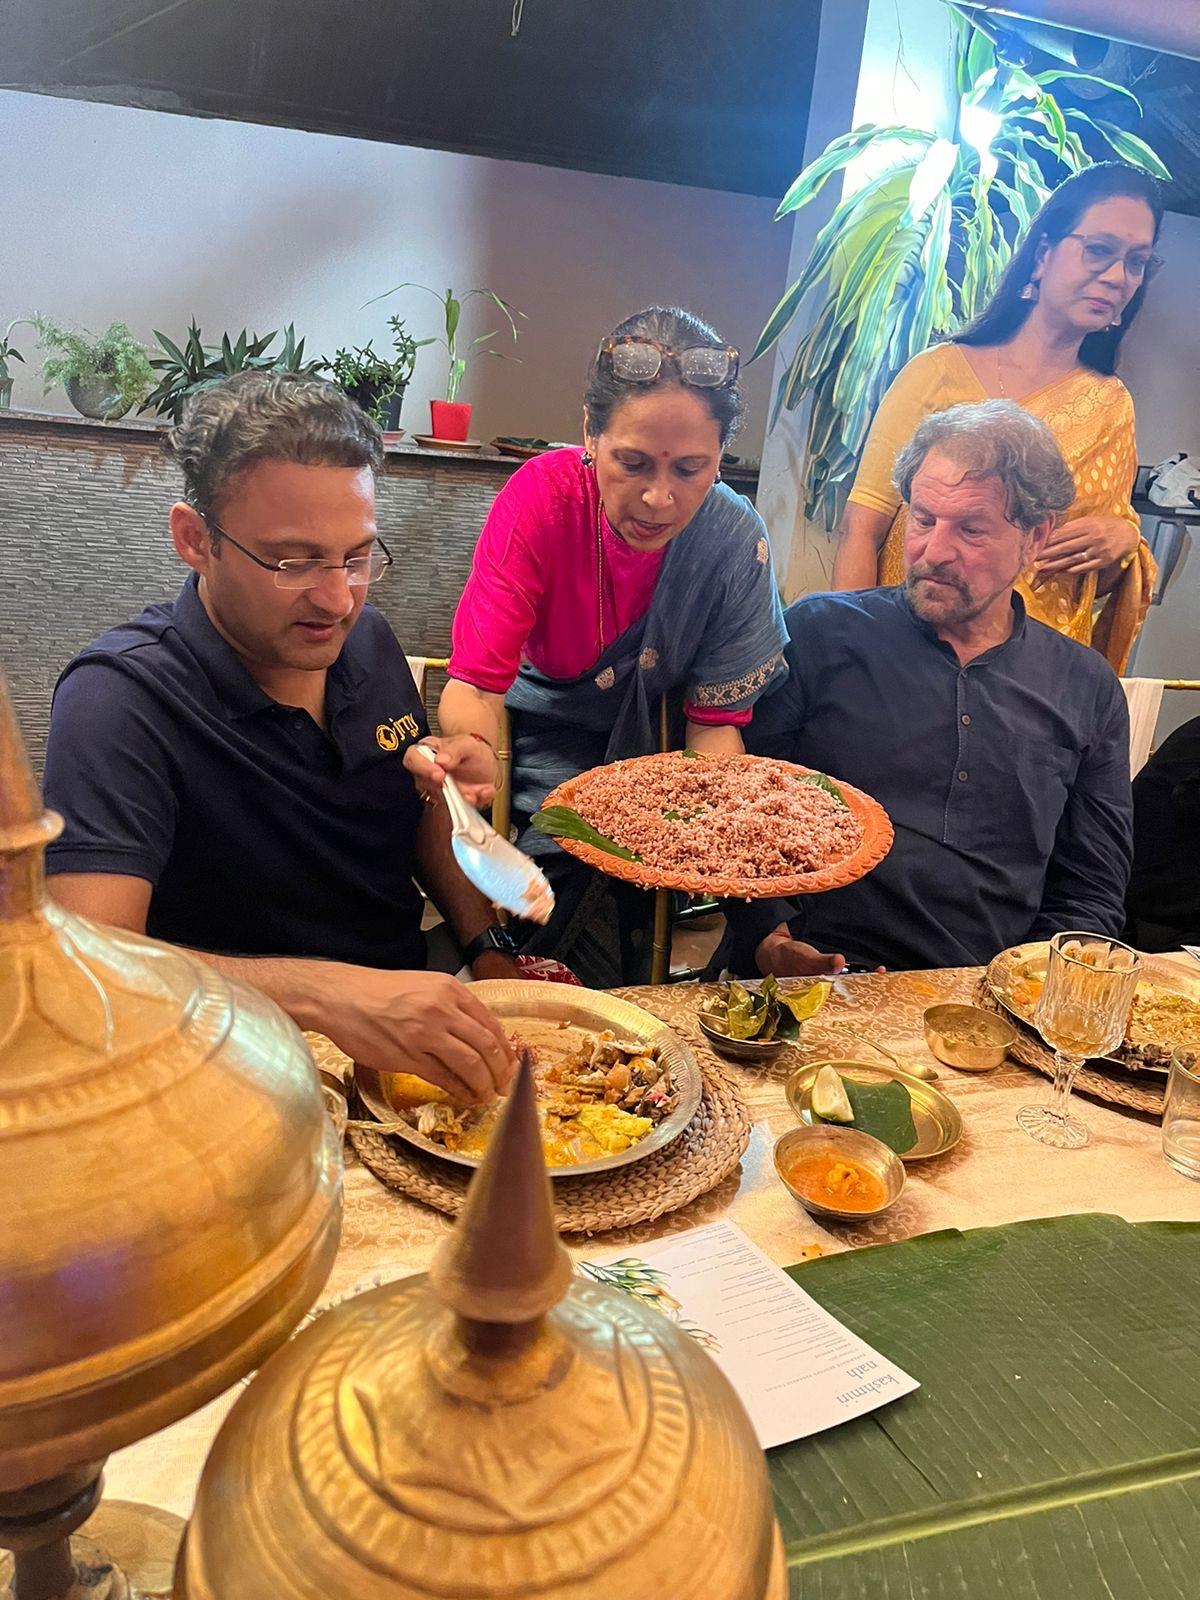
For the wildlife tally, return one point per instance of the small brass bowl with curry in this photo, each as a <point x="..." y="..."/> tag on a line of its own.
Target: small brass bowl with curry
<point x="968" y="1038"/>
<point x="838" y="1172"/>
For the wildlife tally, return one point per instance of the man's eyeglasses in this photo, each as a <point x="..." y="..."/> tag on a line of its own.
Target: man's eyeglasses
<point x="1099" y="254"/>
<point x="636" y="359"/>
<point x="303" y="572"/>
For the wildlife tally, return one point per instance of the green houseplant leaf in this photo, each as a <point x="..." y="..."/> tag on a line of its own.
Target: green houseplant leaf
<point x="1053" y="1449"/>
<point x="452" y="309"/>
<point x="887" y="275"/>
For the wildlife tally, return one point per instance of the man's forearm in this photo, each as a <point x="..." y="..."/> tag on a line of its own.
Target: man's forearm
<point x="307" y="990"/>
<point x="466" y="910"/>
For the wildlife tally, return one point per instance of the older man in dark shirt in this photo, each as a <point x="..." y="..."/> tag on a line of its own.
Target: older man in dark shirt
<point x="998" y="747"/>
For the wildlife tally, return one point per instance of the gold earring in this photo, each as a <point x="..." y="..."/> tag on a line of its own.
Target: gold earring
<point x="587" y="458"/>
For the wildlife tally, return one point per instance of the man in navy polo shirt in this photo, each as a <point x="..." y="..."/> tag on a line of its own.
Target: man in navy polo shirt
<point x="230" y="765"/>
<point x="998" y="747"/>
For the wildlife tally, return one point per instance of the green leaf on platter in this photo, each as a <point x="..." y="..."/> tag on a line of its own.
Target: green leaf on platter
<point x="818" y="780"/>
<point x="884" y="1110"/>
<point x="1052" y="1447"/>
<point x="561" y="822"/>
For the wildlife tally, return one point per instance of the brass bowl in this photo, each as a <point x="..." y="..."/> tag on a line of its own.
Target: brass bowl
<point x="748" y="1050"/>
<point x="848" y="1142"/>
<point x="945" y="1024"/>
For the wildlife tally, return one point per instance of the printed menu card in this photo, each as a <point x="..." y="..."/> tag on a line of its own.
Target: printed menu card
<point x="796" y="1368"/>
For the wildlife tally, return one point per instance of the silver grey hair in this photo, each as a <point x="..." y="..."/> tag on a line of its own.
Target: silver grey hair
<point x="268" y="416"/>
<point x="995" y="439"/>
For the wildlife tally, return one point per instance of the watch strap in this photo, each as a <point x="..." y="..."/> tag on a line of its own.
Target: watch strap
<point x="492" y="938"/>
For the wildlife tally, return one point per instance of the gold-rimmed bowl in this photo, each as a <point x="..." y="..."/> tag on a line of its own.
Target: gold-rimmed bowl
<point x="848" y="1144"/>
<point x="968" y="1038"/>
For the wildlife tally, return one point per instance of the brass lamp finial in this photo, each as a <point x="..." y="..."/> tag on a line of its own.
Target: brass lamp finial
<point x="504" y="1262"/>
<point x="25" y="828"/>
<point x="493" y="1430"/>
<point x="172" y="1196"/>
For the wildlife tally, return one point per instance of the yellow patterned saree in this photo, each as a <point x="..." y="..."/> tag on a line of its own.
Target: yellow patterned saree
<point x="1091" y="418"/>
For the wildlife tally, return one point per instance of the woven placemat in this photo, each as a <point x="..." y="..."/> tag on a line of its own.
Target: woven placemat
<point x="1143" y="1094"/>
<point x="704" y="1154"/>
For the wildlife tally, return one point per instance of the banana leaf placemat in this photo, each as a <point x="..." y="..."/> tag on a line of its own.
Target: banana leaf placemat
<point x="1053" y="1450"/>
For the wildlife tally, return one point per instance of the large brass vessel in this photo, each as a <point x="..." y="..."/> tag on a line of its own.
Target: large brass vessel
<point x="170" y="1191"/>
<point x="492" y="1429"/>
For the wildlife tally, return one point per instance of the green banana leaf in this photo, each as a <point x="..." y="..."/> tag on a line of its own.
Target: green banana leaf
<point x="1053" y="1450"/>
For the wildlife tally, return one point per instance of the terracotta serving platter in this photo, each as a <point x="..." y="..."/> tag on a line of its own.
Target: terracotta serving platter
<point x="877" y="835"/>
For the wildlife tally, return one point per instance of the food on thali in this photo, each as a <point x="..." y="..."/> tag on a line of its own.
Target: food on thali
<point x="742" y="818"/>
<point x="836" y="1181"/>
<point x="597" y="1095"/>
<point x="1160" y="1019"/>
<point x="763" y="1013"/>
<point x="884" y="1110"/>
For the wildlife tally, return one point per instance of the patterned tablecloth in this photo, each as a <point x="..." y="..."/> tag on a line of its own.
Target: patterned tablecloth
<point x="995" y="1174"/>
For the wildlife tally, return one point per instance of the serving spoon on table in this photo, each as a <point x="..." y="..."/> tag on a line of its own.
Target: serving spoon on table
<point x="914" y="1069"/>
<point x="498" y="869"/>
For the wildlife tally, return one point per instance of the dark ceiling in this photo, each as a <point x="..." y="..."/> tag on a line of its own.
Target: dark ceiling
<point x="700" y="92"/>
<point x="688" y="91"/>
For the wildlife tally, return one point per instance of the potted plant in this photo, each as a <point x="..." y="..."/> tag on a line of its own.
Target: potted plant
<point x="184" y="371"/>
<point x="451" y="418"/>
<point x="8" y="353"/>
<point x="373" y="382"/>
<point x="104" y="375"/>
<point x="911" y="255"/>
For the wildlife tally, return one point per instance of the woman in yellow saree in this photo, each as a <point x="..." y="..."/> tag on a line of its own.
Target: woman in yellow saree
<point x="1049" y="339"/>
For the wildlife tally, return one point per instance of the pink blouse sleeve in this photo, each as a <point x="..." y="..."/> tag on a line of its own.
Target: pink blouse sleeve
<point x="499" y="604"/>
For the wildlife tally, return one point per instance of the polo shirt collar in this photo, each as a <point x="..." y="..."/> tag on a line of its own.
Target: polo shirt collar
<point x="227" y="673"/>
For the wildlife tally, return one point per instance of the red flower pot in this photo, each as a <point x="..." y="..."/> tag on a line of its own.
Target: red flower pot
<point x="450" y="419"/>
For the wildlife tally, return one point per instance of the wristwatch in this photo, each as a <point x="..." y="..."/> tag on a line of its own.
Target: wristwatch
<point x="493" y="938"/>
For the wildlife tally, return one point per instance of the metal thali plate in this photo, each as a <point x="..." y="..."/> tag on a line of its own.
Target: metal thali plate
<point x="937" y="1119"/>
<point x="1014" y="979"/>
<point x="516" y="1001"/>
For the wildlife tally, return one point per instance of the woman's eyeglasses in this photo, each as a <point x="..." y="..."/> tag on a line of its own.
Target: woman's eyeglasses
<point x="303" y="572"/>
<point x="1099" y="254"/>
<point x="636" y="359"/>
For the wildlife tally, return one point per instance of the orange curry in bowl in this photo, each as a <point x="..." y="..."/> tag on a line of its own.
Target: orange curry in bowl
<point x="836" y="1181"/>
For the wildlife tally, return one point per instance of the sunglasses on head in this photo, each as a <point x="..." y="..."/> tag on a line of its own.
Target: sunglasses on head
<point x="636" y="359"/>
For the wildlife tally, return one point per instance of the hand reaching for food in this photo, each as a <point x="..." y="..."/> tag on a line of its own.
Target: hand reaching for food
<point x="424" y="1023"/>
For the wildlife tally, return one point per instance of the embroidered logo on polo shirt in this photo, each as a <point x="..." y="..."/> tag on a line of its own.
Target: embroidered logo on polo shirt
<point x="391" y="735"/>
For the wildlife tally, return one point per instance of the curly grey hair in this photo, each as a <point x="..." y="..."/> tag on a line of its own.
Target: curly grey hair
<point x="995" y="439"/>
<point x="268" y="416"/>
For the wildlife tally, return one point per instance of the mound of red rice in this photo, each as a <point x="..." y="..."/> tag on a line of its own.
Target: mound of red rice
<point x="728" y="816"/>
